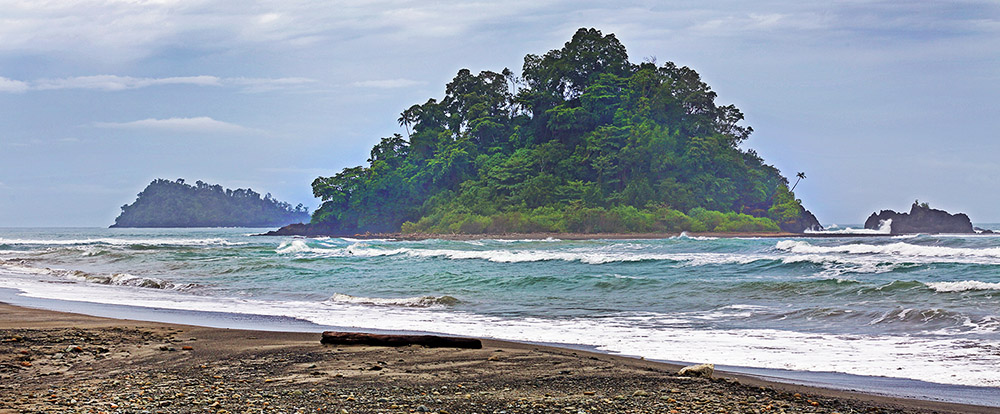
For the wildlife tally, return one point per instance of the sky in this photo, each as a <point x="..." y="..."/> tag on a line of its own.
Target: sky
<point x="879" y="103"/>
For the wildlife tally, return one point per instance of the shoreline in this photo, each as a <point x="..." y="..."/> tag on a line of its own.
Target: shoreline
<point x="516" y="372"/>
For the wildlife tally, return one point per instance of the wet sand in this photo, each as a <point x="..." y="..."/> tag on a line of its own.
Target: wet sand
<point x="63" y="362"/>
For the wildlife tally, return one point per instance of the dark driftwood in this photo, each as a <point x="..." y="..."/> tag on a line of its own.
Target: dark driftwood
<point x="431" y="341"/>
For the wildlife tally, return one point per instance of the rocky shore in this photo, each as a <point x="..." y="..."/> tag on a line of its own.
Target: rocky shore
<point x="67" y="363"/>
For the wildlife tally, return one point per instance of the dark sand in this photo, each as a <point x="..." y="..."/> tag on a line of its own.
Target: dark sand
<point x="67" y="363"/>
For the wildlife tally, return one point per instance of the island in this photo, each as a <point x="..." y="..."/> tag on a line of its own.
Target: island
<point x="166" y="203"/>
<point x="584" y="141"/>
<point x="921" y="219"/>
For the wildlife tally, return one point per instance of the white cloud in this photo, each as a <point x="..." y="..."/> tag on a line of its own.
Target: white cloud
<point x="120" y="83"/>
<point x="267" y="84"/>
<point x="10" y="85"/>
<point x="201" y="124"/>
<point x="387" y="83"/>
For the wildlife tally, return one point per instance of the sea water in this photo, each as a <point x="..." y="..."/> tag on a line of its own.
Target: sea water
<point x="923" y="307"/>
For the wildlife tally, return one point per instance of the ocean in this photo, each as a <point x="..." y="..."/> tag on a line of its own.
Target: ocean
<point x="923" y="307"/>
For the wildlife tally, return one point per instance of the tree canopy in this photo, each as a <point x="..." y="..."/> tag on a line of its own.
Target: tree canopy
<point x="584" y="140"/>
<point x="166" y="203"/>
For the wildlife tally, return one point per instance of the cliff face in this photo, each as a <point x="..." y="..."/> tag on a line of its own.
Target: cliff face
<point x="807" y="221"/>
<point x="921" y="219"/>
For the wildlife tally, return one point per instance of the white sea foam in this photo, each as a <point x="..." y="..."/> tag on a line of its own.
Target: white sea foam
<point x="963" y="286"/>
<point x="835" y="265"/>
<point x="120" y="279"/>
<point x="685" y="235"/>
<point x="885" y="227"/>
<point x="353" y="240"/>
<point x="412" y="302"/>
<point x="894" y="249"/>
<point x="545" y="240"/>
<point x="122" y="242"/>
<point x="653" y="336"/>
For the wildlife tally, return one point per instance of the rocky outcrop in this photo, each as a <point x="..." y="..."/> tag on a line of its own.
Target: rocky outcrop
<point x="921" y="219"/>
<point x="303" y="229"/>
<point x="806" y="221"/>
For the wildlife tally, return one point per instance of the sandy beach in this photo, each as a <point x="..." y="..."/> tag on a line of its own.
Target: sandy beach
<point x="63" y="362"/>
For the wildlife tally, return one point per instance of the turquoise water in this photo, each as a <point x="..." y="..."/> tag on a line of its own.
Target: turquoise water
<point x="917" y="307"/>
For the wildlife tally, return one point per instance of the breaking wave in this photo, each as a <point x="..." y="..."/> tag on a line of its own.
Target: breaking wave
<point x="895" y="249"/>
<point x="121" y="242"/>
<point x="963" y="286"/>
<point x="414" y="302"/>
<point x="115" y="279"/>
<point x="885" y="227"/>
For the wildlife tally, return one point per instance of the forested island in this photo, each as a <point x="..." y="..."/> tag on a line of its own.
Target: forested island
<point x="583" y="141"/>
<point x="166" y="203"/>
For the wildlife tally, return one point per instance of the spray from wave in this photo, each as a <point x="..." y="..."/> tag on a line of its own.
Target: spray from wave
<point x="885" y="227"/>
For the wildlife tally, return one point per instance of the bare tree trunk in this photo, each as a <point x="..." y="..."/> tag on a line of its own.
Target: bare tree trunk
<point x="431" y="341"/>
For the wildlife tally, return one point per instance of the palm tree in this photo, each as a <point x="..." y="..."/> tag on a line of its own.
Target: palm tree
<point x="409" y="117"/>
<point x="799" y="177"/>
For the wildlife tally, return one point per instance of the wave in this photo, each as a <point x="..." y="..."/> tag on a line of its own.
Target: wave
<point x="684" y="235"/>
<point x="353" y="240"/>
<point x="122" y="242"/>
<point x="894" y="249"/>
<point x="885" y="227"/>
<point x="545" y="240"/>
<point x="414" y="302"/>
<point x="834" y="265"/>
<point x="963" y="286"/>
<point x="115" y="279"/>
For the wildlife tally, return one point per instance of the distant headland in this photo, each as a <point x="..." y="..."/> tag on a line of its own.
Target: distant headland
<point x="166" y="203"/>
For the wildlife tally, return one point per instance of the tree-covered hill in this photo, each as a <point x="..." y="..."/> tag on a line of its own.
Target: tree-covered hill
<point x="583" y="141"/>
<point x="166" y="203"/>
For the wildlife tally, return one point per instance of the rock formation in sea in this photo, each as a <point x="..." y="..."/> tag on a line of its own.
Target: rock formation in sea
<point x="921" y="219"/>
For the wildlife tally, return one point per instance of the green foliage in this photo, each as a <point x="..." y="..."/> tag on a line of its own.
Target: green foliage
<point x="167" y="203"/>
<point x="585" y="141"/>
<point x="618" y="219"/>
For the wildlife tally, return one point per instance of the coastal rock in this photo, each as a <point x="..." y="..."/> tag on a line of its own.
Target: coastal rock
<point x="303" y="229"/>
<point x="700" y="370"/>
<point x="921" y="219"/>
<point x="807" y="221"/>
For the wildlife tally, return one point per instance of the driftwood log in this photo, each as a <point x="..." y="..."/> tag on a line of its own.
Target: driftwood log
<point x="431" y="341"/>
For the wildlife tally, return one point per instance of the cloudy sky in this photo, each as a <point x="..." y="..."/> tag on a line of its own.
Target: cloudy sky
<point x="878" y="102"/>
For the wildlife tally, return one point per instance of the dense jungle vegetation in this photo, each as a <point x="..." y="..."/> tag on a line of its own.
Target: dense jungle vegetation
<point x="583" y="141"/>
<point x="166" y="203"/>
